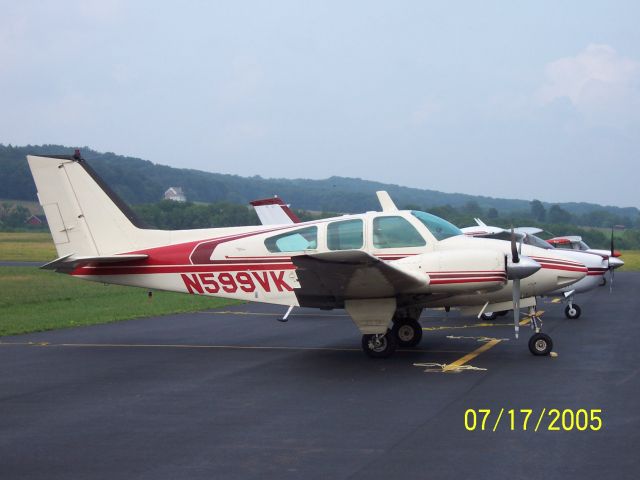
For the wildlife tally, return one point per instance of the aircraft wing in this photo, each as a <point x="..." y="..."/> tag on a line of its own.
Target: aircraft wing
<point x="328" y="279"/>
<point x="528" y="230"/>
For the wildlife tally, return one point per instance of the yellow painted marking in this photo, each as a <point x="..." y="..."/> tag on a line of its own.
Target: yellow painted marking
<point x="195" y="346"/>
<point x="470" y="356"/>
<point x="439" y="367"/>
<point x="556" y="300"/>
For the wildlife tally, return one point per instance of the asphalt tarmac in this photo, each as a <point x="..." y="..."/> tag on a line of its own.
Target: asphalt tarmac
<point x="236" y="394"/>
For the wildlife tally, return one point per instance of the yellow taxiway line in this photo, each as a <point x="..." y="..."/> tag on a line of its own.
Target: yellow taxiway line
<point x="470" y="356"/>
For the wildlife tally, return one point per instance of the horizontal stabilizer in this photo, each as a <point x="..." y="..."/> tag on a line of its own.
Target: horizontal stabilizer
<point x="70" y="262"/>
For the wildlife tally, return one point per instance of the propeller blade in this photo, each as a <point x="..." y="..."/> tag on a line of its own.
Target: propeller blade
<point x="611" y="270"/>
<point x="515" y="258"/>
<point x="611" y="279"/>
<point x="516" y="306"/>
<point x="612" y="242"/>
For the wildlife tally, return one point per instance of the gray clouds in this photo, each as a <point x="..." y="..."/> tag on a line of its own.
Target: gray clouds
<point x="448" y="97"/>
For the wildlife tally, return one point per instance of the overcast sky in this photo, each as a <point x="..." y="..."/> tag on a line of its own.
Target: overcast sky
<point x="508" y="99"/>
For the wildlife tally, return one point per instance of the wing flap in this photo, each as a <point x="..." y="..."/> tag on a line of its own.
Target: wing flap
<point x="328" y="279"/>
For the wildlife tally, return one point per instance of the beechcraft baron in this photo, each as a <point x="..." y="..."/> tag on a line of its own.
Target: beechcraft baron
<point x="597" y="265"/>
<point x="575" y="242"/>
<point x="383" y="267"/>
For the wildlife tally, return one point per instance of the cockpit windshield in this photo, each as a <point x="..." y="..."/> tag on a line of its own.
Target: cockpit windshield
<point x="537" y="242"/>
<point x="438" y="227"/>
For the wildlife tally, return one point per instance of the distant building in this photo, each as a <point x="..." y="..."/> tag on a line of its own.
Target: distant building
<point x="176" y="194"/>
<point x="36" y="220"/>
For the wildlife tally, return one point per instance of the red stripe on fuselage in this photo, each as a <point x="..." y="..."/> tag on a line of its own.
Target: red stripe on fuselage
<point x="155" y="269"/>
<point x="467" y="280"/>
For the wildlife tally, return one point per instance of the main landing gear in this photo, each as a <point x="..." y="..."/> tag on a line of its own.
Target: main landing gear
<point x="539" y="343"/>
<point x="406" y="328"/>
<point x="381" y="345"/>
<point x="405" y="333"/>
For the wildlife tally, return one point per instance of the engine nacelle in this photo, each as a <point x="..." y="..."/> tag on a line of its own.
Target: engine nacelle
<point x="459" y="270"/>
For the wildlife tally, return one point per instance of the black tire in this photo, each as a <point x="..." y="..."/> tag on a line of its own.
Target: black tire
<point x="603" y="282"/>
<point x="383" y="349"/>
<point x="574" y="313"/>
<point x="540" y="344"/>
<point x="489" y="316"/>
<point x="502" y="313"/>
<point x="407" y="333"/>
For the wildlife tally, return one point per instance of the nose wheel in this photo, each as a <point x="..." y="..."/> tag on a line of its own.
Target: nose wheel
<point x="540" y="344"/>
<point x="572" y="311"/>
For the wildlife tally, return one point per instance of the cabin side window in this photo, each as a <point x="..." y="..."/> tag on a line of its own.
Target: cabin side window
<point x="345" y="235"/>
<point x="395" y="232"/>
<point x="296" y="241"/>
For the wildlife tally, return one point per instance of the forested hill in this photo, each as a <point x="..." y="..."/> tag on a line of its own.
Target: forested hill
<point x="141" y="181"/>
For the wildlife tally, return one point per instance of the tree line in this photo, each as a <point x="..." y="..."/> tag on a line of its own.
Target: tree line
<point x="140" y="181"/>
<point x="170" y="215"/>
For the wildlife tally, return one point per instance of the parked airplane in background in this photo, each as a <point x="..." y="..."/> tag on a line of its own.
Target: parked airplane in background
<point x="597" y="266"/>
<point x="382" y="267"/>
<point x="575" y="242"/>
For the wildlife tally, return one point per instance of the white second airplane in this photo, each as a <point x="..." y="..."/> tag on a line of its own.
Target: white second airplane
<point x="384" y="267"/>
<point x="596" y="265"/>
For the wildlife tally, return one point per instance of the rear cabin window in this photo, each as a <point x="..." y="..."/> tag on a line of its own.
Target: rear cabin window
<point x="345" y="235"/>
<point x="297" y="241"/>
<point x="395" y="232"/>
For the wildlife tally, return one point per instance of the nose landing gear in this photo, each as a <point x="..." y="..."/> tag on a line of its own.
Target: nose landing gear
<point x="572" y="310"/>
<point x="539" y="343"/>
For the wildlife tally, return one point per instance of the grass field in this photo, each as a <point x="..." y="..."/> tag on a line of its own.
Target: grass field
<point x="26" y="247"/>
<point x="33" y="300"/>
<point x="631" y="260"/>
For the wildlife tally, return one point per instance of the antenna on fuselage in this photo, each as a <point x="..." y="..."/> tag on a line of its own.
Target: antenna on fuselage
<point x="385" y="202"/>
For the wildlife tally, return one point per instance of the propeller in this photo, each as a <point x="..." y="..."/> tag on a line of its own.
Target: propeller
<point x="515" y="258"/>
<point x="611" y="269"/>
<point x="518" y="267"/>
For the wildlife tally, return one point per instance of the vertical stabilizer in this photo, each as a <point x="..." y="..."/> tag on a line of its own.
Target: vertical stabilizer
<point x="385" y="202"/>
<point x="85" y="217"/>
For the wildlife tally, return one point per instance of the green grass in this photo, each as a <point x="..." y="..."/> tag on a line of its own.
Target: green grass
<point x="33" y="300"/>
<point x="26" y="247"/>
<point x="631" y="260"/>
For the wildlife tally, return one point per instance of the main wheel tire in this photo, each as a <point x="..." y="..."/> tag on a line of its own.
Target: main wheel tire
<point x="572" y="312"/>
<point x="379" y="346"/>
<point x="502" y="313"/>
<point x="407" y="333"/>
<point x="603" y="282"/>
<point x="489" y="316"/>
<point x="540" y="344"/>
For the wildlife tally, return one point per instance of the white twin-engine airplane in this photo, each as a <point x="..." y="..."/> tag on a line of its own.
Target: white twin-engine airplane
<point x="596" y="263"/>
<point x="383" y="267"/>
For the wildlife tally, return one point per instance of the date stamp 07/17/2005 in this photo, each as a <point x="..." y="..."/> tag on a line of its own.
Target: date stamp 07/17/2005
<point x="527" y="419"/>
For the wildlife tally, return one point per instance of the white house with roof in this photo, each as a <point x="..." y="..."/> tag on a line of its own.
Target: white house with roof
<point x="176" y="194"/>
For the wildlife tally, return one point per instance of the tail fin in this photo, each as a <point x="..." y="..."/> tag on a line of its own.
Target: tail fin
<point x="273" y="211"/>
<point x="85" y="217"/>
